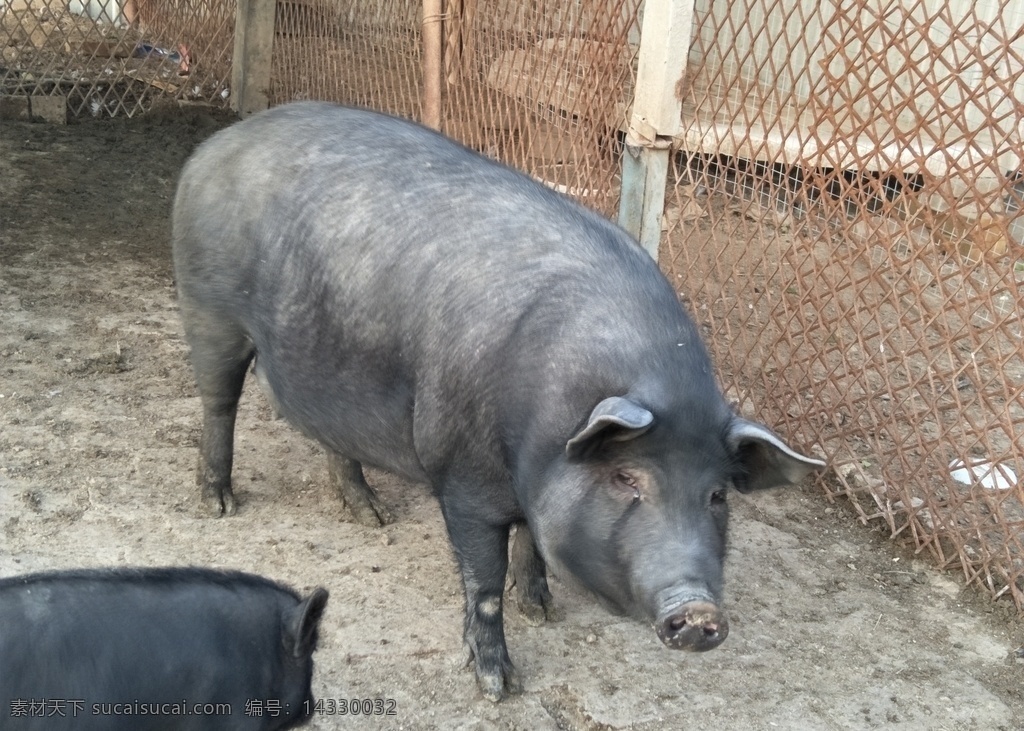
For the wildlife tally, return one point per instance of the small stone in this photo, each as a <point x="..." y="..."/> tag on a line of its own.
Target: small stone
<point x="53" y="109"/>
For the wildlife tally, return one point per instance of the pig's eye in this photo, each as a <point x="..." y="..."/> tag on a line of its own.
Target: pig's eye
<point x="628" y="483"/>
<point x="718" y="497"/>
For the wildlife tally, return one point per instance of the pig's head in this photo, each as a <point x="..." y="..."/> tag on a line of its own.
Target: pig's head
<point x="636" y="509"/>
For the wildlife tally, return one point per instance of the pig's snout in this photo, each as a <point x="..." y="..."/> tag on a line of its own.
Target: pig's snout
<point x="695" y="626"/>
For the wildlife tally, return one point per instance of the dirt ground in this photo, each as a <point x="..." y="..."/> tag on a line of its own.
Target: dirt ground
<point x="832" y="627"/>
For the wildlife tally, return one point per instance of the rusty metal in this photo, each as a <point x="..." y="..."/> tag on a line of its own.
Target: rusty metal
<point x="844" y="221"/>
<point x="106" y="58"/>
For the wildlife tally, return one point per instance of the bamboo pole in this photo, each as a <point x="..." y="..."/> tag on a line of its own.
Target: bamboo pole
<point x="432" y="67"/>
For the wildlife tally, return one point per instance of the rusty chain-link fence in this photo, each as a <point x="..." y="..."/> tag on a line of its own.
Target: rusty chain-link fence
<point x="112" y="57"/>
<point x="843" y="213"/>
<point x="543" y="85"/>
<point x="844" y="219"/>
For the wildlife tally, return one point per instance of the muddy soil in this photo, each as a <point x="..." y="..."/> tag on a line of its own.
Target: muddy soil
<point x="832" y="626"/>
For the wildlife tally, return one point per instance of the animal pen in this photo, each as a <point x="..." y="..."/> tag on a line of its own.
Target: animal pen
<point x="835" y="188"/>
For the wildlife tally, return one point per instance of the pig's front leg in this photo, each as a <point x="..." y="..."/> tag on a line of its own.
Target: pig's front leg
<point x="482" y="551"/>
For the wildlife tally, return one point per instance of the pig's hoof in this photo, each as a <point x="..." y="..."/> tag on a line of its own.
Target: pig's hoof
<point x="369" y="514"/>
<point x="536" y="607"/>
<point x="361" y="500"/>
<point x="495" y="686"/>
<point x="536" y="613"/>
<point x="218" y="505"/>
<point x="496" y="679"/>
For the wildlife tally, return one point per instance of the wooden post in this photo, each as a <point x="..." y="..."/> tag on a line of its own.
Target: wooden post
<point x="657" y="117"/>
<point x="250" y="65"/>
<point x="432" y="67"/>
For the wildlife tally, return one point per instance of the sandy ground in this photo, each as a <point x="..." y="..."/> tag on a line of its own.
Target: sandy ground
<point x="832" y="626"/>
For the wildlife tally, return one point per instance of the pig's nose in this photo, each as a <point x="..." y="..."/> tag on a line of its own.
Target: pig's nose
<point x="694" y="626"/>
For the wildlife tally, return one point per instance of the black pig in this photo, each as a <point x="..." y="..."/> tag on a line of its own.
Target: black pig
<point x="171" y="649"/>
<point x="415" y="306"/>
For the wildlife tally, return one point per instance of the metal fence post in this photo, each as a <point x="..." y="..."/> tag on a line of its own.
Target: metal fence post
<point x="656" y="119"/>
<point x="250" y="64"/>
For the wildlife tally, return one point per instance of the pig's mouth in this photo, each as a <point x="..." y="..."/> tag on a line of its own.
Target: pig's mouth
<point x="696" y="625"/>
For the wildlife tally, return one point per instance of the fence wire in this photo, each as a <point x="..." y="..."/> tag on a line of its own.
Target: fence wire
<point x="109" y="58"/>
<point x="845" y="220"/>
<point x="362" y="52"/>
<point x="541" y="84"/>
<point x="843" y="211"/>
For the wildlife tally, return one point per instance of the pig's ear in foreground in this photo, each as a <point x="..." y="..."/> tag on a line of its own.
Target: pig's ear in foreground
<point x="765" y="459"/>
<point x="615" y="419"/>
<point x="301" y="623"/>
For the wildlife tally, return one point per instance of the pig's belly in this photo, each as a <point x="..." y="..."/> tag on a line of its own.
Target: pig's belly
<point x="360" y="413"/>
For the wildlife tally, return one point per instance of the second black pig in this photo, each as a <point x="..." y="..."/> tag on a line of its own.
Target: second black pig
<point x="169" y="649"/>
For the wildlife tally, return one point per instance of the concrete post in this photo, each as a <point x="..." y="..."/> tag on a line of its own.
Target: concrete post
<point x="657" y="109"/>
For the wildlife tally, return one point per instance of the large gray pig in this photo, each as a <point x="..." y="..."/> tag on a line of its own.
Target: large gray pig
<point x="414" y="306"/>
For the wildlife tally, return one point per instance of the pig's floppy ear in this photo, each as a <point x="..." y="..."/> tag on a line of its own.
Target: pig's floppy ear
<point x="766" y="460"/>
<point x="616" y="418"/>
<point x="300" y="624"/>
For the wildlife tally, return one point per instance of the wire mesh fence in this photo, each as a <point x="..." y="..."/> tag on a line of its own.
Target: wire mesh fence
<point x="542" y="84"/>
<point x="843" y="211"/>
<point x="113" y="57"/>
<point x="362" y="52"/>
<point x="545" y="86"/>
<point x="844" y="219"/>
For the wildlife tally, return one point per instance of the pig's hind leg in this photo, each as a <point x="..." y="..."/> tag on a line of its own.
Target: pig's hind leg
<point x="221" y="353"/>
<point x="347" y="477"/>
